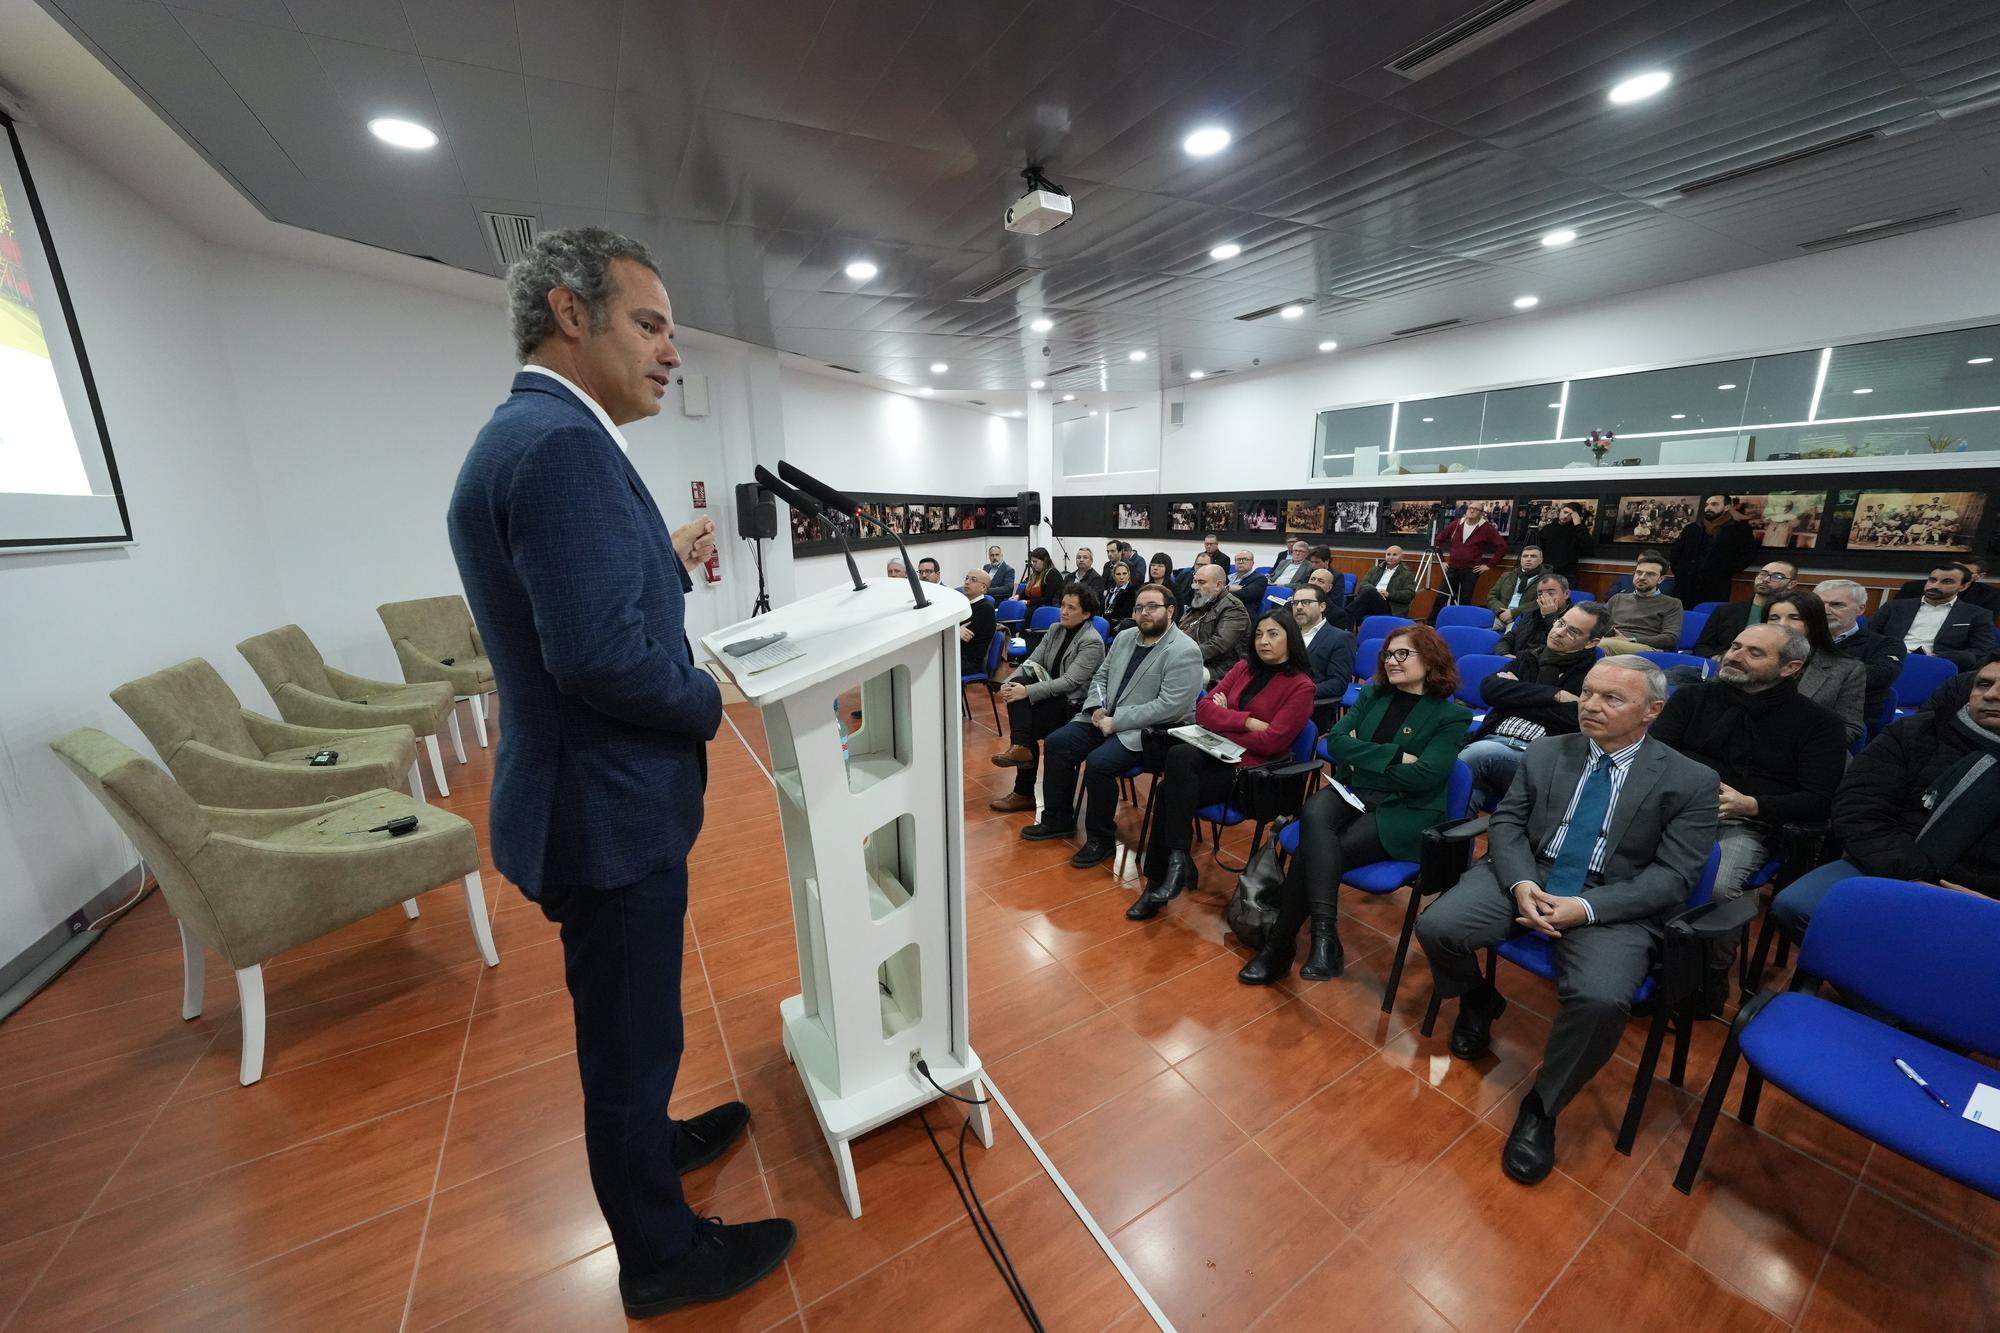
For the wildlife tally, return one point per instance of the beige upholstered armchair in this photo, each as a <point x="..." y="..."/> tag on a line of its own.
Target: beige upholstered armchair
<point x="309" y="693"/>
<point x="436" y="640"/>
<point x="251" y="884"/>
<point x="225" y="755"/>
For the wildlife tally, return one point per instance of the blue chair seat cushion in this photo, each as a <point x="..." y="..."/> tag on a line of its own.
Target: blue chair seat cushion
<point x="1376" y="877"/>
<point x="1843" y="1065"/>
<point x="1221" y="813"/>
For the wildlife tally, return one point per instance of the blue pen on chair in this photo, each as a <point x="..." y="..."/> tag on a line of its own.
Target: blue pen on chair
<point x="1918" y="1079"/>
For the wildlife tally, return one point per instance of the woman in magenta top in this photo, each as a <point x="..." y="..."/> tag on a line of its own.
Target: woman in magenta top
<point x="1262" y="704"/>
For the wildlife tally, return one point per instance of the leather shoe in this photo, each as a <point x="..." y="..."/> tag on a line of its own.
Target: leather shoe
<point x="1095" y="851"/>
<point x="1046" y="832"/>
<point x="702" y="1139"/>
<point x="1325" y="960"/>
<point x="1472" y="1033"/>
<point x="1530" y="1151"/>
<point x="1014" y="756"/>
<point x="718" y="1263"/>
<point x="1181" y="874"/>
<point x="1272" y="965"/>
<point x="1013" y="802"/>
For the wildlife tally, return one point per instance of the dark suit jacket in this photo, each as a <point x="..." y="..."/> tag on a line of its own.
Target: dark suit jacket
<point x="1966" y="637"/>
<point x="1882" y="659"/>
<point x="972" y="652"/>
<point x="1979" y="594"/>
<point x="1332" y="655"/>
<point x="577" y="590"/>
<point x="1251" y="594"/>
<point x="1723" y="625"/>
<point x="1660" y="830"/>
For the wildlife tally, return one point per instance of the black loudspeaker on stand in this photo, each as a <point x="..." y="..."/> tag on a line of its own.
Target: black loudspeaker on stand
<point x="757" y="523"/>
<point x="1030" y="503"/>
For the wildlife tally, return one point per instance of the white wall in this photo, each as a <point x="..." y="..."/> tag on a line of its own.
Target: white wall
<point x="199" y="576"/>
<point x="1261" y="423"/>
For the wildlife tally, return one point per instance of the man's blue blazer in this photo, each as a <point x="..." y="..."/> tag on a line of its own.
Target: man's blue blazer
<point x="578" y="592"/>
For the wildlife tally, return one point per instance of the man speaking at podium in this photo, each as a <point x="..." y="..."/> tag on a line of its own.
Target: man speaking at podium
<point x="577" y="587"/>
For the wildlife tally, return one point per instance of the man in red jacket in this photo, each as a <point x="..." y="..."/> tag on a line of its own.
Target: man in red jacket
<point x="1471" y="545"/>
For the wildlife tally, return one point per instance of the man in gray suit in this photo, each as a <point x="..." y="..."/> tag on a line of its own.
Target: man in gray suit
<point x="1596" y="845"/>
<point x="1149" y="678"/>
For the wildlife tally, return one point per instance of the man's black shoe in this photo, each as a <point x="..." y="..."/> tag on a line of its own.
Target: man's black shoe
<point x="1472" y="1034"/>
<point x="1530" y="1151"/>
<point x="1095" y="851"/>
<point x="1043" y="832"/>
<point x="703" y="1138"/>
<point x="720" y="1262"/>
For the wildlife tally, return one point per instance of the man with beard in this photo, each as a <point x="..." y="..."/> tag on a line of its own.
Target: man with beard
<point x="1941" y="623"/>
<point x="1515" y="589"/>
<point x="1217" y="622"/>
<point x="1708" y="552"/>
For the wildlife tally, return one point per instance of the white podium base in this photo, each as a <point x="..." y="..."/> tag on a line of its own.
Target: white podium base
<point x="842" y="1119"/>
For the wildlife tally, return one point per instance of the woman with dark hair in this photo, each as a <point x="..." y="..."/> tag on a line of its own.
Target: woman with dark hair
<point x="1394" y="750"/>
<point x="1160" y="569"/>
<point x="1832" y="679"/>
<point x="1566" y="539"/>
<point x="1041" y="582"/>
<point x="1261" y="704"/>
<point x="1118" y="594"/>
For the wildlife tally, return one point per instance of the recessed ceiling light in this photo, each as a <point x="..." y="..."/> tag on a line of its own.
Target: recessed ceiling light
<point x="402" y="133"/>
<point x="1429" y="420"/>
<point x="1640" y="87"/>
<point x="1678" y="416"/>
<point x="861" y="270"/>
<point x="1038" y="384"/>
<point x="1069" y="398"/>
<point x="1864" y="391"/>
<point x="1227" y="250"/>
<point x="939" y="367"/>
<point x="1093" y="411"/>
<point x="1206" y="141"/>
<point x="1556" y="406"/>
<point x="1015" y="413"/>
<point x="1980" y="361"/>
<point x="1559" y="237"/>
<point x="927" y="391"/>
<point x="1291" y="312"/>
<point x="1526" y="302"/>
<point x="1042" y="325"/>
<point x="1135" y="355"/>
<point x="1197" y="374"/>
<point x="1328" y="345"/>
<point x="1725" y="386"/>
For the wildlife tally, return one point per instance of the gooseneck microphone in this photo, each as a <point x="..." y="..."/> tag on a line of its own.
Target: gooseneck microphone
<point x="797" y="501"/>
<point x="833" y="499"/>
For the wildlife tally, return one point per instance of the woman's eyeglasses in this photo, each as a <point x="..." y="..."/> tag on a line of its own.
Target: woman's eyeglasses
<point x="1399" y="655"/>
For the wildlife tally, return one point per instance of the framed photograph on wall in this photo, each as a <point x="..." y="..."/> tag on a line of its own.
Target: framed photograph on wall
<point x="806" y="529"/>
<point x="950" y="519"/>
<point x="1356" y="515"/>
<point x="1531" y="514"/>
<point x="934" y="519"/>
<point x="1499" y="512"/>
<point x="1181" y="516"/>
<point x="1006" y="517"/>
<point x="1789" y="520"/>
<point x="1409" y="518"/>
<point x="916" y="521"/>
<point x="896" y="517"/>
<point x="1135" y="516"/>
<point x="975" y="518"/>
<point x="1218" y="515"/>
<point x="1260" y="516"/>
<point x="1944" y="521"/>
<point x="1306" y="517"/>
<point x="1653" y="520"/>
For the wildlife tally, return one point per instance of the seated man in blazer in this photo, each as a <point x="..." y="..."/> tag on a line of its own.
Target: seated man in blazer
<point x="1329" y="648"/>
<point x="1292" y="568"/>
<point x="975" y="636"/>
<point x="1149" y="679"/>
<point x="1941" y="623"/>
<point x="1595" y="846"/>
<point x="1775" y="578"/>
<point x="1387" y="589"/>
<point x="1248" y="586"/>
<point x="1978" y="592"/>
<point x="999" y="575"/>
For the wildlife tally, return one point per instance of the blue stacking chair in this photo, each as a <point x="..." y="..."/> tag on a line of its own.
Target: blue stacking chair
<point x="1924" y="956"/>
<point x="1040" y="622"/>
<point x="1381" y="627"/>
<point x="993" y="651"/>
<point x="1381" y="877"/>
<point x="1011" y="612"/>
<point x="1577" y="596"/>
<point x="1103" y="628"/>
<point x="1367" y="656"/>
<point x="1919" y="680"/>
<point x="1706" y="607"/>
<point x="1265" y="570"/>
<point x="1277" y="597"/>
<point x="1223" y="815"/>
<point x="1473" y="669"/>
<point x="1465" y="639"/>
<point x="1477" y="617"/>
<point x="1692" y="624"/>
<point x="1667" y="661"/>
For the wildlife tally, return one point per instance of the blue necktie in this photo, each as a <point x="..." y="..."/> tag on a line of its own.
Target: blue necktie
<point x="1593" y="804"/>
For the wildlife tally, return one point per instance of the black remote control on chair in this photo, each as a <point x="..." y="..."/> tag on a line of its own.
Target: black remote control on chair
<point x="325" y="759"/>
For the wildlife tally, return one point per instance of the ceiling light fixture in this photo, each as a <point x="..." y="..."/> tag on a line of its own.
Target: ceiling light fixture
<point x="1135" y="355"/>
<point x="1560" y="237"/>
<point x="1038" y="384"/>
<point x="1093" y="411"/>
<point x="1429" y="420"/>
<point x="1678" y="416"/>
<point x="1042" y="325"/>
<point x="1227" y="250"/>
<point x="1197" y="374"/>
<point x="927" y="391"/>
<point x="1069" y="398"/>
<point x="1864" y="391"/>
<point x="1526" y="302"/>
<point x="939" y="367"/>
<point x="861" y="270"/>
<point x="1640" y="87"/>
<point x="1555" y="407"/>
<point x="1980" y="361"/>
<point x="402" y="133"/>
<point x="1725" y="387"/>
<point x="1291" y="312"/>
<point x="1328" y="345"/>
<point x="1206" y="141"/>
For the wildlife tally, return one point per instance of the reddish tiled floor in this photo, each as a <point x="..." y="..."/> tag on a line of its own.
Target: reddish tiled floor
<point x="1287" y="1157"/>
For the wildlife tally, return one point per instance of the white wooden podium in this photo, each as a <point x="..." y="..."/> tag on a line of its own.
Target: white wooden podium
<point x="875" y="845"/>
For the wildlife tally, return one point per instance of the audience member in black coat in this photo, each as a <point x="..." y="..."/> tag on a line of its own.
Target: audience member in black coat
<point x="1118" y="594"/>
<point x="1330" y="649"/>
<point x="1530" y="627"/>
<point x="1566" y="539"/>
<point x="1535" y="696"/>
<point x="1087" y="574"/>
<point x="1965" y="635"/>
<point x="975" y="636"/>
<point x="1882" y="658"/>
<point x="1041" y="582"/>
<point x="1708" y="553"/>
<point x="1247" y="586"/>
<point x="1978" y="593"/>
<point x="1774" y="577"/>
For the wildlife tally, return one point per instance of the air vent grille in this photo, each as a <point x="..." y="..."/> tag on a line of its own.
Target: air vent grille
<point x="1877" y="230"/>
<point x="1000" y="286"/>
<point x="1414" y="330"/>
<point x="1070" y="369"/>
<point x="1480" y="28"/>
<point x="509" y="235"/>
<point x="1778" y="163"/>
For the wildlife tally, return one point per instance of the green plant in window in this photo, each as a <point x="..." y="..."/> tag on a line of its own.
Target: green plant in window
<point x="1942" y="442"/>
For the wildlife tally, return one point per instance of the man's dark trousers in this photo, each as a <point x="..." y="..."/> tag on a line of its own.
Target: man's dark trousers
<point x="1103" y="759"/>
<point x="622" y="960"/>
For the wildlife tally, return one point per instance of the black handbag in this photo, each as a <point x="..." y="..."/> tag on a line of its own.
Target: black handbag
<point x="1253" y="905"/>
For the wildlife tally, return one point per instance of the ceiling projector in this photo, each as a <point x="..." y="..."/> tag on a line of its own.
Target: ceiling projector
<point x="1037" y="211"/>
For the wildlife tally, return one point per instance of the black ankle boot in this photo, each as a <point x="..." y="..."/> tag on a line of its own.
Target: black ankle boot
<point x="1325" y="960"/>
<point x="1272" y="964"/>
<point x="1181" y="874"/>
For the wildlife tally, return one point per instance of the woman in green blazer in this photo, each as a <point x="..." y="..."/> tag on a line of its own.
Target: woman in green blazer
<point x="1394" y="750"/>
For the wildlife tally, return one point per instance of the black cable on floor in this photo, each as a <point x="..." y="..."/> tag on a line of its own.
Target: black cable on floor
<point x="975" y="1209"/>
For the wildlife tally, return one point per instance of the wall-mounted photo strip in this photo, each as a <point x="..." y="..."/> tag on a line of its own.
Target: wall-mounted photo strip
<point x="916" y="521"/>
<point x="1218" y="516"/>
<point x="972" y="518"/>
<point x="896" y="517"/>
<point x="1306" y="517"/>
<point x="1945" y="521"/>
<point x="873" y="510"/>
<point x="1181" y="516"/>
<point x="1356" y="515"/>
<point x="1787" y="519"/>
<point x="1006" y="516"/>
<point x="1410" y="517"/>
<point x="1652" y="520"/>
<point x="944" y="518"/>
<point x="805" y="528"/>
<point x="1134" y="516"/>
<point x="1532" y="514"/>
<point x="1261" y="516"/>
<point x="840" y="525"/>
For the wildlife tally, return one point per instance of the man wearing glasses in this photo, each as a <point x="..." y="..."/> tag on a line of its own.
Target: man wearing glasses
<point x="1149" y="679"/>
<point x="1534" y="697"/>
<point x="1726" y="622"/>
<point x="1329" y="648"/>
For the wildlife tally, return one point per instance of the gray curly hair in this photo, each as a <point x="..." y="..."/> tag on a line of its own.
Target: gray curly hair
<point x="578" y="258"/>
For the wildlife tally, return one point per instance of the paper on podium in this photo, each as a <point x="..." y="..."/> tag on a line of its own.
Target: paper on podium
<point x="836" y="629"/>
